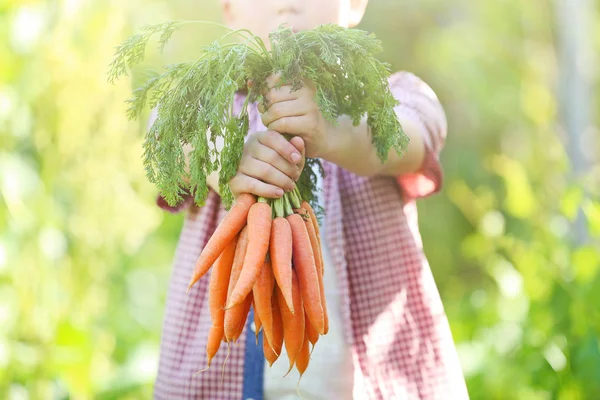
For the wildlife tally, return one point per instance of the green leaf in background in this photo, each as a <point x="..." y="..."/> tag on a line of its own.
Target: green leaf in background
<point x="520" y="199"/>
<point x="586" y="262"/>
<point x="586" y="363"/>
<point x="571" y="201"/>
<point x="591" y="210"/>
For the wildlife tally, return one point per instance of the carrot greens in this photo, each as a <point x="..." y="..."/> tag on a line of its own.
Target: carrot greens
<point x="196" y="97"/>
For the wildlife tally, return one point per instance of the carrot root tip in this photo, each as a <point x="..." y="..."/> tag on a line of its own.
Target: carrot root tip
<point x="298" y="386"/>
<point x="224" y="362"/>
<point x="274" y="351"/>
<point x="202" y="370"/>
<point x="289" y="370"/>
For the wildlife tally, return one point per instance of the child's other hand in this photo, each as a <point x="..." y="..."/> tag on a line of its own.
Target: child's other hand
<point x="296" y="113"/>
<point x="269" y="166"/>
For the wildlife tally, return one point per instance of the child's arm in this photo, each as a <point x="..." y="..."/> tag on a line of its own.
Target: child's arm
<point x="349" y="146"/>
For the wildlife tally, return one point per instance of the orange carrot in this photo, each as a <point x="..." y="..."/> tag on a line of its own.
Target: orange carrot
<point x="232" y="316"/>
<point x="316" y="246"/>
<point x="238" y="260"/>
<point x="277" y="342"/>
<point x="215" y="335"/>
<point x="314" y="243"/>
<point x="323" y="305"/>
<point x="281" y="257"/>
<point x="311" y="332"/>
<point x="231" y="225"/>
<point x="303" y="357"/>
<point x="308" y="277"/>
<point x="262" y="293"/>
<point x="270" y="355"/>
<point x="293" y="324"/>
<point x="259" y="231"/>
<point x="217" y="289"/>
<point x="313" y="217"/>
<point x="257" y="321"/>
<point x="244" y="310"/>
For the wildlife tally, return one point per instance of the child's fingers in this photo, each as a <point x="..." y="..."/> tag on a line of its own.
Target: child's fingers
<point x="277" y="142"/>
<point x="296" y="125"/>
<point x="270" y="156"/>
<point x="289" y="108"/>
<point x="298" y="143"/>
<point x="273" y="80"/>
<point x="242" y="183"/>
<point x="267" y="173"/>
<point x="284" y="93"/>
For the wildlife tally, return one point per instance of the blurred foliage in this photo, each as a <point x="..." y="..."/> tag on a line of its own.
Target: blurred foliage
<point x="85" y="256"/>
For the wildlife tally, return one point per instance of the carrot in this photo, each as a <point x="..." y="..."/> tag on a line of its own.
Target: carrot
<point x="311" y="332"/>
<point x="215" y="336"/>
<point x="238" y="260"/>
<point x="323" y="305"/>
<point x="259" y="231"/>
<point x="314" y="243"/>
<point x="219" y="283"/>
<point x="232" y="316"/>
<point x="308" y="277"/>
<point x="281" y="257"/>
<point x="217" y="289"/>
<point x="316" y="246"/>
<point x="303" y="357"/>
<point x="277" y="342"/>
<point x="245" y="308"/>
<point x="231" y="225"/>
<point x="262" y="293"/>
<point x="313" y="217"/>
<point x="257" y="321"/>
<point x="270" y="355"/>
<point x="293" y="324"/>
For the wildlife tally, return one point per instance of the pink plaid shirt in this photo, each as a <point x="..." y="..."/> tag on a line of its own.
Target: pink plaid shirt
<point x="393" y="316"/>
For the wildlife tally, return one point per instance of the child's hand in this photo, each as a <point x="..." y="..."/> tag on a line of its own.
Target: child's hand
<point x="296" y="113"/>
<point x="269" y="166"/>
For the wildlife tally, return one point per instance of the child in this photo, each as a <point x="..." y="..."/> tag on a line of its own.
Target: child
<point x="389" y="337"/>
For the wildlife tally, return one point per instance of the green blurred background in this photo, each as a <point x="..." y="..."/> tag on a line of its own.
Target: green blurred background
<point x="513" y="240"/>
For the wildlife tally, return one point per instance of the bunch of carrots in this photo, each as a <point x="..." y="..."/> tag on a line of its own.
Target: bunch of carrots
<point x="267" y="254"/>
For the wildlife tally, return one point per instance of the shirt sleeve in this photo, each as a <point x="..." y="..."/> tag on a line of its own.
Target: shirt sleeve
<point x="419" y="103"/>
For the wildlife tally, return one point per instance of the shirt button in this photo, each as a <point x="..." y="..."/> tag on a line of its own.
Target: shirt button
<point x="253" y="328"/>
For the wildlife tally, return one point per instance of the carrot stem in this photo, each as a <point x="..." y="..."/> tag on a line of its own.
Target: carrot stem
<point x="294" y="197"/>
<point x="287" y="206"/>
<point x="279" y="208"/>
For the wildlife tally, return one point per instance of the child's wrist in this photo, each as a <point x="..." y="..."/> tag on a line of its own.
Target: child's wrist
<point x="341" y="137"/>
<point x="335" y="142"/>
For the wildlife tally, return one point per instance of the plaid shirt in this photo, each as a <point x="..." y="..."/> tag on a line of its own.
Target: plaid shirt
<point x="393" y="316"/>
